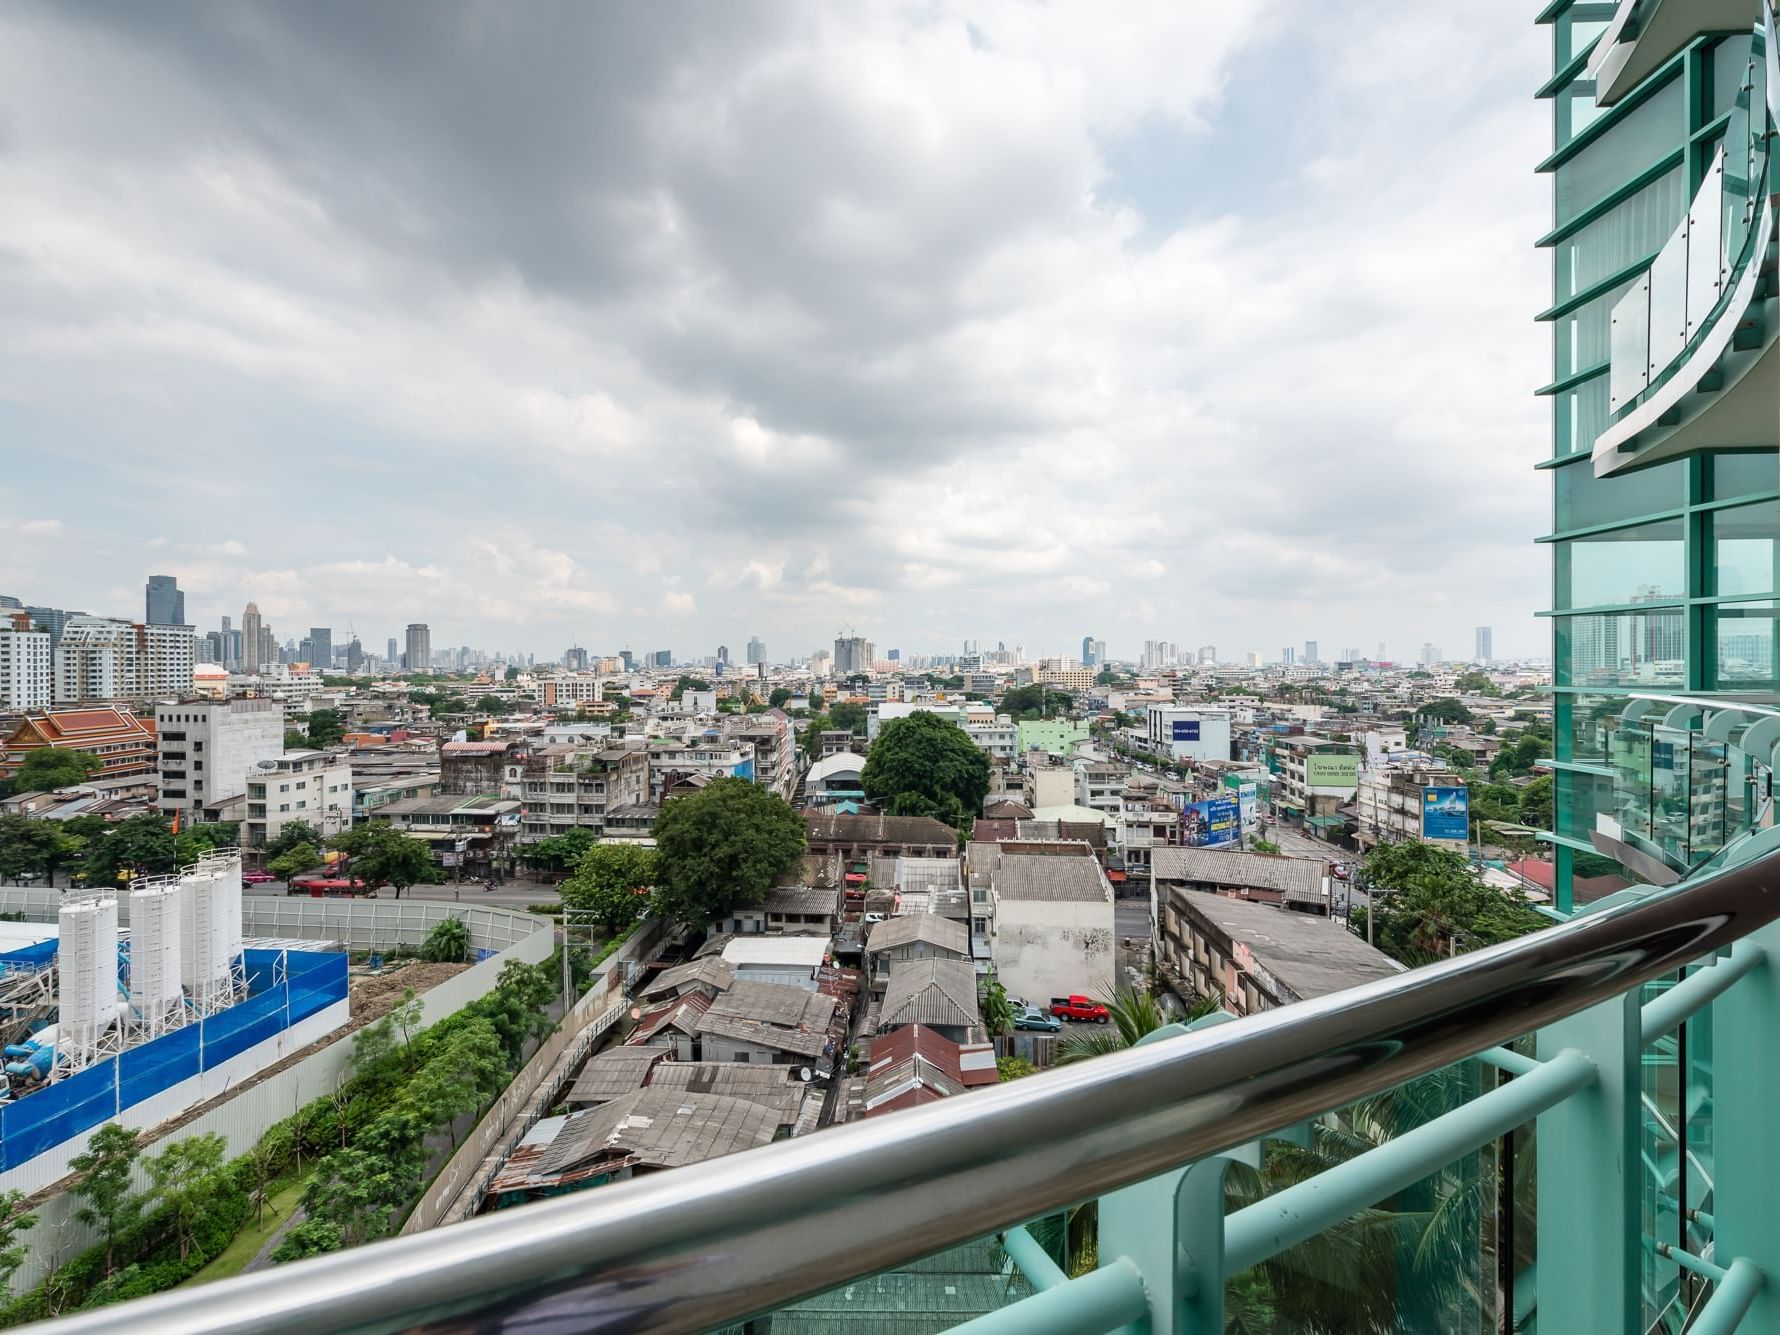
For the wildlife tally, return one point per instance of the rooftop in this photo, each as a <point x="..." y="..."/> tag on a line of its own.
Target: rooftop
<point x="660" y="1128"/>
<point x="1041" y="876"/>
<point x="803" y="951"/>
<point x="934" y="992"/>
<point x="1308" y="954"/>
<point x="1298" y="879"/>
<point x="776" y="1004"/>
<point x="908" y="928"/>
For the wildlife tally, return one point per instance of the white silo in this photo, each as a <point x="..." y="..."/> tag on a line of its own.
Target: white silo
<point x="86" y="973"/>
<point x="157" y="998"/>
<point x="203" y="940"/>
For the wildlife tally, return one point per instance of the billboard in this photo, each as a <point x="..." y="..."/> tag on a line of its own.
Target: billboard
<point x="1210" y="824"/>
<point x="1331" y="771"/>
<point x="1248" y="802"/>
<point x="1185" y="730"/>
<point x="1446" y="813"/>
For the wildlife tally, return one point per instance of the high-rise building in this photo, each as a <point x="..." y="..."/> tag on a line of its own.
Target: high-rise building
<point x="1486" y="645"/>
<point x="392" y="656"/>
<point x="662" y="658"/>
<point x="756" y="651"/>
<point x="207" y="749"/>
<point x="321" y="648"/>
<point x="27" y="679"/>
<point x="52" y="619"/>
<point x="1288" y="656"/>
<point x="626" y="657"/>
<point x="1088" y="659"/>
<point x="101" y="658"/>
<point x="853" y="654"/>
<point x="1310" y="652"/>
<point x="164" y="602"/>
<point x="252" y="639"/>
<point x="574" y="658"/>
<point x="1381" y="657"/>
<point x="1664" y="431"/>
<point x="355" y="655"/>
<point x="894" y="655"/>
<point x="419" y="655"/>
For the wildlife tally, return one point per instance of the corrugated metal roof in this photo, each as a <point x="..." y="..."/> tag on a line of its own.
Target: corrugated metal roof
<point x="612" y="1074"/>
<point x="666" y="1128"/>
<point x="1030" y="876"/>
<point x="775" y="1003"/>
<point x="1295" y="878"/>
<point x="934" y="992"/>
<point x="907" y="928"/>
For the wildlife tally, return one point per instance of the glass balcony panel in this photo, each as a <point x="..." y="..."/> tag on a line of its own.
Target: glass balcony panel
<point x="1584" y="500"/>
<point x="1623" y="565"/>
<point x="1580" y="415"/>
<point x="1638" y="139"/>
<point x="1643" y="648"/>
<point x="1629" y="756"/>
<point x="1582" y="338"/>
<point x="1668" y="303"/>
<point x="1629" y="339"/>
<point x="1730" y="64"/>
<point x="1705" y="258"/>
<point x="1671" y="795"/>
<point x="1628" y="233"/>
<point x="1747" y="636"/>
<point x="1593" y="720"/>
<point x="1745" y="549"/>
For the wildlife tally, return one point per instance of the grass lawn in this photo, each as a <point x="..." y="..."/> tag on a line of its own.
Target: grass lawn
<point x="251" y="1238"/>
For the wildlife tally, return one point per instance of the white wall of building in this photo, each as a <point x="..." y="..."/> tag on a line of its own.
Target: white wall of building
<point x="27" y="674"/>
<point x="1051" y="948"/>
<point x="207" y="748"/>
<point x="1204" y="733"/>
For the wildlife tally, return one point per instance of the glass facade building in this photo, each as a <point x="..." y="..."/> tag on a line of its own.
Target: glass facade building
<point x="1665" y="417"/>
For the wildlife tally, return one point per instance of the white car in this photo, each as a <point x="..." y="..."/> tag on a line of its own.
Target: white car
<point x="875" y="917"/>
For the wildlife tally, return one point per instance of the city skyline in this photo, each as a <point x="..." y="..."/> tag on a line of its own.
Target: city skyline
<point x="1093" y="412"/>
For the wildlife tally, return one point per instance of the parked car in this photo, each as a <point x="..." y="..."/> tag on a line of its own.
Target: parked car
<point x="257" y="877"/>
<point x="1077" y="1007"/>
<point x="1033" y="1018"/>
<point x="874" y="917"/>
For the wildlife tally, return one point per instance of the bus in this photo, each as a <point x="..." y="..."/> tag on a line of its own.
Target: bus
<point x="320" y="887"/>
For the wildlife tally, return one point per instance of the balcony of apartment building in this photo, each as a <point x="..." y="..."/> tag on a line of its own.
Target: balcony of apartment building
<point x="1691" y="342"/>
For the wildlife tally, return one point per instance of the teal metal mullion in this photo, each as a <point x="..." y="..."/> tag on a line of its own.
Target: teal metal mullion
<point x="1701" y="675"/>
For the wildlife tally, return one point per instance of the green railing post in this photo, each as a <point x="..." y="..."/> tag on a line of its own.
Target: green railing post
<point x="1590" y="1241"/>
<point x="1745" y="1130"/>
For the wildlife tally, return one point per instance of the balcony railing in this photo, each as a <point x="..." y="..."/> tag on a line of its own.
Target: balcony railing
<point x="1656" y="1170"/>
<point x="1680" y="319"/>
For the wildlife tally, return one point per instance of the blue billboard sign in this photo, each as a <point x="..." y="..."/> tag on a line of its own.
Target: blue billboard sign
<point x="1446" y="813"/>
<point x="1212" y="823"/>
<point x="1185" y="730"/>
<point x="1248" y="802"/>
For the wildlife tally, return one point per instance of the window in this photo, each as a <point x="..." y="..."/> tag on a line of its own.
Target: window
<point x="284" y="806"/>
<point x="1744" y="549"/>
<point x="1639" y="138"/>
<point x="1623" y="565"/>
<point x="1745" y="635"/>
<point x="1744" y="473"/>
<point x="739" y="1056"/>
<point x="1642" y="648"/>
<point x="1584" y="500"/>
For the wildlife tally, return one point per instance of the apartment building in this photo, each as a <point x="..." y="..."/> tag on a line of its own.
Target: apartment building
<point x="567" y="787"/>
<point x="27" y="671"/>
<point x="1187" y="733"/>
<point x="1314" y="777"/>
<point x="206" y="749"/>
<point x="102" y="659"/>
<point x="1410" y="799"/>
<point x="310" y="786"/>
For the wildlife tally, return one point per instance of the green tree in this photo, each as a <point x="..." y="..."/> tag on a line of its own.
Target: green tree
<point x="845" y="716"/>
<point x="1134" y="1013"/>
<point x="1446" y="710"/>
<point x="356" y="1192"/>
<point x="382" y="855"/>
<point x="778" y="696"/>
<point x="1263" y="846"/>
<point x="290" y="835"/>
<point x="295" y="862"/>
<point x="15" y="1219"/>
<point x="997" y="1010"/>
<point x="1535" y="803"/>
<point x="493" y="704"/>
<point x="1031" y="702"/>
<point x="141" y="845"/>
<point x="1429" y="904"/>
<point x="925" y="765"/>
<point x="327" y="727"/>
<point x="295" y="739"/>
<point x="183" y="1178"/>
<point x="684" y="684"/>
<point x="724" y="846"/>
<point x="447" y="943"/>
<point x="611" y="882"/>
<point x="1014" y="1068"/>
<point x="29" y="846"/>
<point x="1476" y="683"/>
<point x="107" y="1166"/>
<point x="51" y="767"/>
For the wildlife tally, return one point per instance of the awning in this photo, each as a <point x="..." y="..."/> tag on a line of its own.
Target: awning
<point x="1115" y="876"/>
<point x="1325" y="822"/>
<point x="855" y="877"/>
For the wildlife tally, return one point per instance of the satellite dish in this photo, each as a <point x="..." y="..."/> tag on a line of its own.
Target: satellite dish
<point x="268" y="764"/>
<point x="804" y="1075"/>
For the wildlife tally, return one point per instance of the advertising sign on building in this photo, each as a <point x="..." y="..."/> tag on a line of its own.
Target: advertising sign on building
<point x="1185" y="730"/>
<point x="1210" y="824"/>
<point x="1248" y="802"/>
<point x="1332" y="771"/>
<point x="1446" y="813"/>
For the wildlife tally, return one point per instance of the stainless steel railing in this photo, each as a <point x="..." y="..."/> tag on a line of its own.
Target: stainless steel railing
<point x="690" y="1250"/>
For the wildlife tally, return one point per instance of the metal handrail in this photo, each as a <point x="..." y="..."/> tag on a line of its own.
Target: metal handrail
<point x="688" y="1251"/>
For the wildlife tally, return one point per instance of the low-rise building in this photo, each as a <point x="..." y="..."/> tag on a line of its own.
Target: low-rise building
<point x="1188" y="732"/>
<point x="1052" y="928"/>
<point x="470" y="836"/>
<point x="1392" y="804"/>
<point x="567" y="787"/>
<point x="794" y="961"/>
<point x="835" y="778"/>
<point x="770" y="1024"/>
<point x="122" y="743"/>
<point x="1315" y="776"/>
<point x="912" y="936"/>
<point x="314" y="787"/>
<point x="914" y="1064"/>
<point x="857" y="837"/>
<point x="940" y="994"/>
<point x="1259" y="957"/>
<point x="1299" y="884"/>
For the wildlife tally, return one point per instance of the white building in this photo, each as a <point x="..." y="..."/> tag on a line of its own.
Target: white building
<point x="279" y="681"/>
<point x="206" y="748"/>
<point x="1052" y="918"/>
<point x="890" y="710"/>
<point x="1000" y="740"/>
<point x="1187" y="732"/>
<point x="310" y="786"/>
<point x="27" y="678"/>
<point x="102" y="658"/>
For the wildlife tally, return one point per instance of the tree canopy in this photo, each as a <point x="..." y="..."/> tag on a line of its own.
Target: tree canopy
<point x="1031" y="702"/>
<point x="142" y="845"/>
<point x="846" y="716"/>
<point x="384" y="855"/>
<point x="1429" y="904"/>
<point x="924" y="765"/>
<point x="1445" y="710"/>
<point x="723" y="847"/>
<point x="34" y="846"/>
<point x="612" y="883"/>
<point x="52" y="767"/>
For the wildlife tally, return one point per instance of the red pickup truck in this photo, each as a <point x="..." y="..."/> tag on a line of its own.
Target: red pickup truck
<point x="1079" y="1008"/>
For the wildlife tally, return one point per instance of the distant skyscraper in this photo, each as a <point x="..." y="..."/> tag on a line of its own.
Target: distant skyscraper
<point x="1088" y="659"/>
<point x="392" y="654"/>
<point x="855" y="654"/>
<point x="1486" y="645"/>
<point x="420" y="647"/>
<point x="756" y="651"/>
<point x="1288" y="656"/>
<point x="1381" y="657"/>
<point x="1310" y="653"/>
<point x="574" y="659"/>
<point x="321" y="648"/>
<point x="663" y="658"/>
<point x="166" y="604"/>
<point x="626" y="657"/>
<point x="355" y="655"/>
<point x="894" y="655"/>
<point x="723" y="653"/>
<point x="252" y="644"/>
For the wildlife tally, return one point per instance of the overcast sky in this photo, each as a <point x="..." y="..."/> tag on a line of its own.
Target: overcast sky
<point x="662" y="325"/>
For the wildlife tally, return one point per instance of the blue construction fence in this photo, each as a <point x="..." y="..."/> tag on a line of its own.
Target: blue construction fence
<point x="279" y="996"/>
